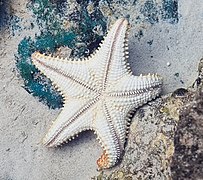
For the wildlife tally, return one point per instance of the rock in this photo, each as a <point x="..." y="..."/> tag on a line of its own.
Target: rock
<point x="187" y="161"/>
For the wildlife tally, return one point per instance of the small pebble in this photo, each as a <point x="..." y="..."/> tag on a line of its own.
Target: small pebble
<point x="168" y="64"/>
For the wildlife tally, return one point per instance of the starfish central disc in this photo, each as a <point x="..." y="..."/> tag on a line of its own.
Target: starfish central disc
<point x="99" y="94"/>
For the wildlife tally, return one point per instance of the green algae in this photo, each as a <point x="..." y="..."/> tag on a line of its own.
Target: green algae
<point x="150" y="11"/>
<point x="86" y="24"/>
<point x="153" y="12"/>
<point x="52" y="36"/>
<point x="15" y="26"/>
<point x="40" y="87"/>
<point x="170" y="11"/>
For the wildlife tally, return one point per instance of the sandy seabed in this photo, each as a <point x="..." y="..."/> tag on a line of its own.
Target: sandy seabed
<point x="24" y="120"/>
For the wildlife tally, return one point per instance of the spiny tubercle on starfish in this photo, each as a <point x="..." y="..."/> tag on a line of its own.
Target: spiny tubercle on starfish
<point x="99" y="94"/>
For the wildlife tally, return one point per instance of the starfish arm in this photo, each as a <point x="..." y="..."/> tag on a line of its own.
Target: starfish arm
<point x="110" y="60"/>
<point x="75" y="117"/>
<point x="131" y="85"/>
<point x="119" y="118"/>
<point x="72" y="78"/>
<point x="108" y="138"/>
<point x="134" y="91"/>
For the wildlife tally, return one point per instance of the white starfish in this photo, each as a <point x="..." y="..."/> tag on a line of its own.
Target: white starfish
<point x="99" y="93"/>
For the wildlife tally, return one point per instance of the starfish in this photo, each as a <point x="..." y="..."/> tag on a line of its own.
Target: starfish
<point x="99" y="94"/>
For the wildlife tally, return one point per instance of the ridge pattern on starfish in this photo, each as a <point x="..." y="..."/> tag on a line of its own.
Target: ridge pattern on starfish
<point x="99" y="93"/>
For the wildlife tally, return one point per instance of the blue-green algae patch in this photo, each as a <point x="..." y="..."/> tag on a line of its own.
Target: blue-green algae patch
<point x="170" y="11"/>
<point x="52" y="36"/>
<point x="35" y="83"/>
<point x="86" y="23"/>
<point x="150" y="11"/>
<point x="153" y="12"/>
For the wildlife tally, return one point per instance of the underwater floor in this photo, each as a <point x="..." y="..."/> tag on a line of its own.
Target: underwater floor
<point x="166" y="37"/>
